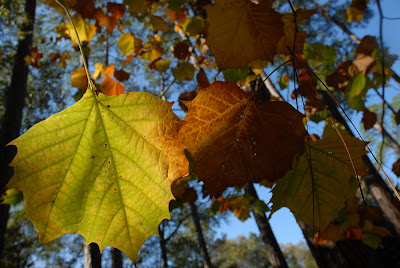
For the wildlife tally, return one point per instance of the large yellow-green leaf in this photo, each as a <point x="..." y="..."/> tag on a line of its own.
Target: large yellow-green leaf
<point x="102" y="168"/>
<point x="332" y="176"/>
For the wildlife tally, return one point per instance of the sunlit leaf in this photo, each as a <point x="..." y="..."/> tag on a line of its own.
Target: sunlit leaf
<point x="331" y="183"/>
<point x="102" y="168"/>
<point x="240" y="31"/>
<point x="232" y="137"/>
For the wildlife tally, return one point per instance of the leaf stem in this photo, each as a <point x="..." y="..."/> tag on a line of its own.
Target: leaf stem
<point x="62" y="4"/>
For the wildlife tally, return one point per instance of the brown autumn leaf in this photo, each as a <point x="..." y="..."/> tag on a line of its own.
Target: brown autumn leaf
<point x="121" y="75"/>
<point x="185" y="97"/>
<point x="202" y="80"/>
<point x="369" y="119"/>
<point x="236" y="40"/>
<point x="342" y="76"/>
<point x="396" y="168"/>
<point x="181" y="51"/>
<point x="182" y="192"/>
<point x="117" y="11"/>
<point x="235" y="137"/>
<point x="36" y="56"/>
<point x="128" y="59"/>
<point x="111" y="87"/>
<point x="177" y="15"/>
<point x="290" y="32"/>
<point x="103" y="19"/>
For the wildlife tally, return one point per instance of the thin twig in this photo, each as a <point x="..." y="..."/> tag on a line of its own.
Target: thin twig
<point x="378" y="2"/>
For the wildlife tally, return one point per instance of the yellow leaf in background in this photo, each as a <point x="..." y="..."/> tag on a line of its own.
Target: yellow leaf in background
<point x="129" y="44"/>
<point x="79" y="79"/>
<point x="240" y="31"/>
<point x="151" y="51"/>
<point x="85" y="30"/>
<point x="257" y="66"/>
<point x="98" y="70"/>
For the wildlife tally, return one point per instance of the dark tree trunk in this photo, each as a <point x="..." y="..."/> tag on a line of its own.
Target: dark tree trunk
<point x="376" y="185"/>
<point x="92" y="256"/>
<point x="116" y="258"/>
<point x="274" y="253"/>
<point x="200" y="237"/>
<point x="15" y="99"/>
<point x="163" y="244"/>
<point x="349" y="253"/>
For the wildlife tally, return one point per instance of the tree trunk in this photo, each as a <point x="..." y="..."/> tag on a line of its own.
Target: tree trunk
<point x="274" y="253"/>
<point x="200" y="237"/>
<point x="92" y="256"/>
<point x="349" y="253"/>
<point x="376" y="185"/>
<point x="15" y="99"/>
<point x="116" y="258"/>
<point x="163" y="244"/>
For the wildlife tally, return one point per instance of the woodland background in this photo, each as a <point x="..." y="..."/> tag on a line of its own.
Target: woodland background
<point x="42" y="74"/>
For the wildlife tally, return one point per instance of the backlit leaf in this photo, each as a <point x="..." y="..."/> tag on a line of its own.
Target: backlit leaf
<point x="184" y="71"/>
<point x="332" y="176"/>
<point x="233" y="137"/>
<point x="240" y="31"/>
<point x="129" y="44"/>
<point x="79" y="79"/>
<point x="85" y="30"/>
<point x="102" y="168"/>
<point x="111" y="87"/>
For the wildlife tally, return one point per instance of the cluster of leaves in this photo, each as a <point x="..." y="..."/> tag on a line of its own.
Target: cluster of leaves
<point x="105" y="167"/>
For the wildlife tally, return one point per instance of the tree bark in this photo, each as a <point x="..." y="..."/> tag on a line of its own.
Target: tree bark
<point x="92" y="256"/>
<point x="274" y="253"/>
<point x="376" y="185"/>
<point x="116" y="258"/>
<point x="349" y="253"/>
<point x="163" y="244"/>
<point x="200" y="237"/>
<point x="15" y="99"/>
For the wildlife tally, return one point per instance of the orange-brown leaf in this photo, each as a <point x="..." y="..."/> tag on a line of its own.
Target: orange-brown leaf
<point x="240" y="31"/>
<point x="109" y="70"/>
<point x="235" y="137"/>
<point x="111" y="87"/>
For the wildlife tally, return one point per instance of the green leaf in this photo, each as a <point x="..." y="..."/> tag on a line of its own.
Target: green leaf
<point x="184" y="71"/>
<point x="318" y="54"/>
<point x="12" y="197"/>
<point x="356" y="103"/>
<point x="102" y="168"/>
<point x="283" y="83"/>
<point x="319" y="116"/>
<point x="236" y="74"/>
<point x="371" y="240"/>
<point x="332" y="172"/>
<point x="356" y="85"/>
<point x="260" y="207"/>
